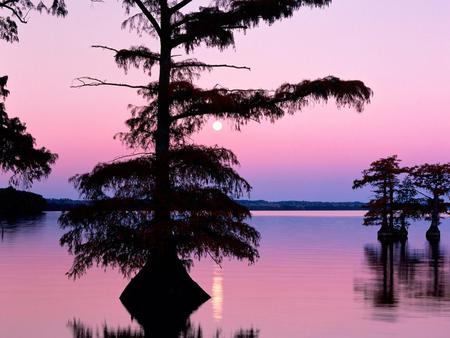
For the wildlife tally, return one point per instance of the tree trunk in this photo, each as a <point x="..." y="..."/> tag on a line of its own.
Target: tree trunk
<point x="433" y="232"/>
<point x="162" y="295"/>
<point x="391" y="203"/>
<point x="384" y="222"/>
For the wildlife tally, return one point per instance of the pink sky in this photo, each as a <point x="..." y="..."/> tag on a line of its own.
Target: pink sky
<point x="400" y="49"/>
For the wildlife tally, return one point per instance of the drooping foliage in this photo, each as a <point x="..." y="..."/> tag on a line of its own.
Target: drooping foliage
<point x="13" y="12"/>
<point x="383" y="176"/>
<point x="117" y="228"/>
<point x="18" y="152"/>
<point x="177" y="197"/>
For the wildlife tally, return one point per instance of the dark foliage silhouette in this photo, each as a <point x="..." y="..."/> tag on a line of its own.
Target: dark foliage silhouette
<point x="173" y="201"/>
<point x="383" y="176"/>
<point x="434" y="179"/>
<point x="18" y="152"/>
<point x="14" y="202"/>
<point x="407" y="205"/>
<point x="205" y="220"/>
<point x="13" y="12"/>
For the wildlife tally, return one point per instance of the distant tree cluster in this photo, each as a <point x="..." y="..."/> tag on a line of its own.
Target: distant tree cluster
<point x="405" y="193"/>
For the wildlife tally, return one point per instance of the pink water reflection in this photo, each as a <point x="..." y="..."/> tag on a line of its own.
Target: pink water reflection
<point x="303" y="286"/>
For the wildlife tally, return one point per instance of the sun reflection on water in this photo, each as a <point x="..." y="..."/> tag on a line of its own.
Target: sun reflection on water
<point x="217" y="293"/>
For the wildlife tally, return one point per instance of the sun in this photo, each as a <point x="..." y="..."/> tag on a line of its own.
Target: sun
<point x="217" y="126"/>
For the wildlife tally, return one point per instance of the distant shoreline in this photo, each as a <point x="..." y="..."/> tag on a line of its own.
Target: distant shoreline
<point x="253" y="205"/>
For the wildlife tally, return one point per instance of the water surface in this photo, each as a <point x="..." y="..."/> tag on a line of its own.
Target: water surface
<point x="321" y="274"/>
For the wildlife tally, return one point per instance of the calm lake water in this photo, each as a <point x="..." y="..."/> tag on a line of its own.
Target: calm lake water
<point x="320" y="275"/>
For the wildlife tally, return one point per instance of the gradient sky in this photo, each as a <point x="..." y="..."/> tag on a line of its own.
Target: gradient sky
<point x="401" y="49"/>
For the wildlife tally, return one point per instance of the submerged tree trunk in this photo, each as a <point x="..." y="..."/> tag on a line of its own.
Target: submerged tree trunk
<point x="162" y="296"/>
<point x="433" y="232"/>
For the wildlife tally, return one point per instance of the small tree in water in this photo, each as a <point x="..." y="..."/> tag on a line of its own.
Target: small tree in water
<point x="434" y="179"/>
<point x="174" y="202"/>
<point x="383" y="176"/>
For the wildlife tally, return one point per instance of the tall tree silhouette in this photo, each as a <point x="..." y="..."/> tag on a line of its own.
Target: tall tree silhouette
<point x="382" y="175"/>
<point x="175" y="201"/>
<point x="435" y="180"/>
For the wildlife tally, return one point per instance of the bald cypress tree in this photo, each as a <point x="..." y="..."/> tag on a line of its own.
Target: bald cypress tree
<point x="383" y="176"/>
<point x="157" y="211"/>
<point x="434" y="180"/>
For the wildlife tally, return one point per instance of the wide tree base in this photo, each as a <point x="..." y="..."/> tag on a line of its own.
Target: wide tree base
<point x="433" y="234"/>
<point x="393" y="234"/>
<point x="162" y="296"/>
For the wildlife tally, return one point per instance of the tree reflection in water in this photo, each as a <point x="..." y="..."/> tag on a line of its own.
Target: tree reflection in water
<point x="80" y="330"/>
<point x="401" y="277"/>
<point x="11" y="226"/>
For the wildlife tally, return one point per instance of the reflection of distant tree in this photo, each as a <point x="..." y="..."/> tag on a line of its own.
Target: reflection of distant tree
<point x="12" y="225"/>
<point x="398" y="274"/>
<point x="79" y="330"/>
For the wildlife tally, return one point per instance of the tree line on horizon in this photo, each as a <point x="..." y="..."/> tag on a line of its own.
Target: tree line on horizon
<point x="402" y="194"/>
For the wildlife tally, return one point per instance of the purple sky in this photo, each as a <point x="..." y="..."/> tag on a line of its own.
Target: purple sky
<point x="401" y="49"/>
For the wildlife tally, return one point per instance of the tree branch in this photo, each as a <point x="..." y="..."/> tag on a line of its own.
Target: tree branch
<point x="200" y="65"/>
<point x="6" y="2"/>
<point x="87" y="81"/>
<point x="129" y="155"/>
<point x="16" y="14"/>
<point x="179" y="5"/>
<point x="105" y="47"/>
<point x="149" y="16"/>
